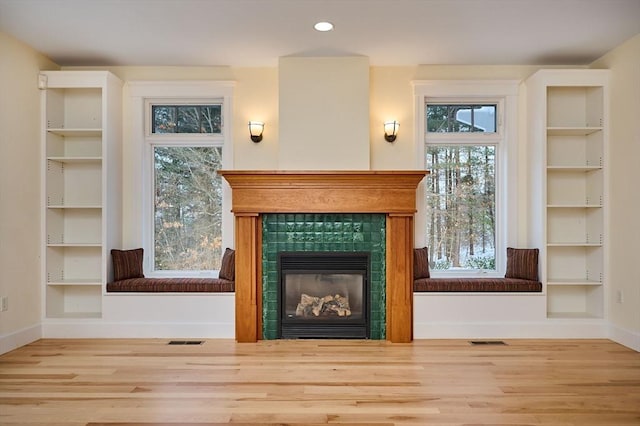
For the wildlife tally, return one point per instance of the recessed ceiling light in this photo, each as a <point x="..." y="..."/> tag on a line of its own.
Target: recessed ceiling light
<point x="323" y="26"/>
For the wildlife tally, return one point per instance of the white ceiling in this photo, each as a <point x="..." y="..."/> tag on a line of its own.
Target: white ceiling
<point x="257" y="32"/>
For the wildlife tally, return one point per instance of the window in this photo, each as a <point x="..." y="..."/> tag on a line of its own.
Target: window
<point x="468" y="204"/>
<point x="460" y="210"/>
<point x="187" y="208"/>
<point x="186" y="119"/>
<point x="461" y="118"/>
<point x="468" y="209"/>
<point x="186" y="146"/>
<point x="461" y="146"/>
<point x="175" y="205"/>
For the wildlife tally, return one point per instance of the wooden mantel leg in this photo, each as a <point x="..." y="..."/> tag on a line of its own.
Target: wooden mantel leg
<point x="247" y="280"/>
<point x="399" y="278"/>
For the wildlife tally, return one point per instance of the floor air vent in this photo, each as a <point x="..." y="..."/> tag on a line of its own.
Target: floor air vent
<point x="186" y="342"/>
<point x="487" y="342"/>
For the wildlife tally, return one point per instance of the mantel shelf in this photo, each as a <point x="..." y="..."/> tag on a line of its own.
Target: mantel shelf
<point x="324" y="191"/>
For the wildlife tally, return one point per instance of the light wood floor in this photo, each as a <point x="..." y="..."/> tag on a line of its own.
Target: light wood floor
<point x="428" y="382"/>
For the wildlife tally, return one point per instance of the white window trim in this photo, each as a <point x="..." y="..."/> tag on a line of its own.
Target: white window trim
<point x="141" y="94"/>
<point x="504" y="92"/>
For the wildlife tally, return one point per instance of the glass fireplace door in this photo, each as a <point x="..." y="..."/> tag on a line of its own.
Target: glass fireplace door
<point x="314" y="297"/>
<point x="323" y="295"/>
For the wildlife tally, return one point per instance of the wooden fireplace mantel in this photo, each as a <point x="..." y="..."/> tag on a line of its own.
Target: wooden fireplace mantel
<point x="390" y="192"/>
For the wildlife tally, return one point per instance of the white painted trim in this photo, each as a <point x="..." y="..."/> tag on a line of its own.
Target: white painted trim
<point x="139" y="93"/>
<point x="465" y="88"/>
<point x="136" y="329"/>
<point x="9" y="342"/>
<point x="507" y="92"/>
<point x="628" y="338"/>
<point x="512" y="330"/>
<point x="181" y="88"/>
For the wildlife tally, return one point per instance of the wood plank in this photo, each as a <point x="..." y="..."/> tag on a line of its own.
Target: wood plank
<point x="246" y="278"/>
<point x="399" y="278"/>
<point x="323" y="191"/>
<point x="314" y="382"/>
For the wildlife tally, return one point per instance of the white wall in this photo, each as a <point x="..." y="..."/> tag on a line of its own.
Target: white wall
<point x="624" y="152"/>
<point x="20" y="191"/>
<point x="391" y="98"/>
<point x="324" y="113"/>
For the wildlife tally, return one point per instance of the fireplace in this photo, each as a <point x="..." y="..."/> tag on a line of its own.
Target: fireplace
<point x="323" y="295"/>
<point x="258" y="193"/>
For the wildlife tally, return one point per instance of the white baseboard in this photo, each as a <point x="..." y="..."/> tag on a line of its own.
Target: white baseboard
<point x="9" y="342"/>
<point x="431" y="330"/>
<point x="628" y="338"/>
<point x="129" y="329"/>
<point x="596" y="329"/>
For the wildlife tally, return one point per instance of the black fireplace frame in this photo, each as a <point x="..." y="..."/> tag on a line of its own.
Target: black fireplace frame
<point x="318" y="262"/>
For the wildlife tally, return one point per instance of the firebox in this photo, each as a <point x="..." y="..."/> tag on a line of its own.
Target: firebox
<point x="324" y="295"/>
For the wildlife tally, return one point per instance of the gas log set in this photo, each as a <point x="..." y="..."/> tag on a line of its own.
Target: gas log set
<point x="327" y="306"/>
<point x="323" y="295"/>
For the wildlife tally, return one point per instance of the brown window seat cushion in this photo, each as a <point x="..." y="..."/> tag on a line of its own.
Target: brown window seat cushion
<point x="177" y="285"/>
<point x="476" y="285"/>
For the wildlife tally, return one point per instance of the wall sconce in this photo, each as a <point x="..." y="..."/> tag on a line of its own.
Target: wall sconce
<point x="391" y="130"/>
<point x="255" y="130"/>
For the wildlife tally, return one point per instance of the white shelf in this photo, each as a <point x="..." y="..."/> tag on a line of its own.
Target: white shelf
<point x="572" y="315"/>
<point x="572" y="131"/>
<point x="77" y="281"/>
<point x="571" y="281"/>
<point x="74" y="206"/>
<point x="75" y="133"/>
<point x="76" y="315"/>
<point x="74" y="245"/>
<point x="574" y="206"/>
<point x="81" y="182"/>
<point x="568" y="134"/>
<point x="75" y="159"/>
<point x="575" y="244"/>
<point x="66" y="144"/>
<point x="574" y="169"/>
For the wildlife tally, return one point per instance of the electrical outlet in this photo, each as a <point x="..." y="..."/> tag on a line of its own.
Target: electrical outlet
<point x="619" y="296"/>
<point x="5" y="304"/>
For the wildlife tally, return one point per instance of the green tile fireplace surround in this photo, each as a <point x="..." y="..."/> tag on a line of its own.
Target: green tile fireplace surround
<point x="323" y="232"/>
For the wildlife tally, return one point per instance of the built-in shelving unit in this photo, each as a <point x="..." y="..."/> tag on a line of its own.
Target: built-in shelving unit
<point x="568" y="137"/>
<point x="81" y="136"/>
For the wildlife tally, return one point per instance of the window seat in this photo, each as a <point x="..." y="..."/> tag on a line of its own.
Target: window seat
<point x="129" y="277"/>
<point x="475" y="285"/>
<point x="521" y="275"/>
<point x="177" y="285"/>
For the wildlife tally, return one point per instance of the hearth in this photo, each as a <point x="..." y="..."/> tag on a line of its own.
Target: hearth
<point x="324" y="295"/>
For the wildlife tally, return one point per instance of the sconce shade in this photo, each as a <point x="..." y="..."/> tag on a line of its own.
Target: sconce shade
<point x="255" y="130"/>
<point x="391" y="130"/>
